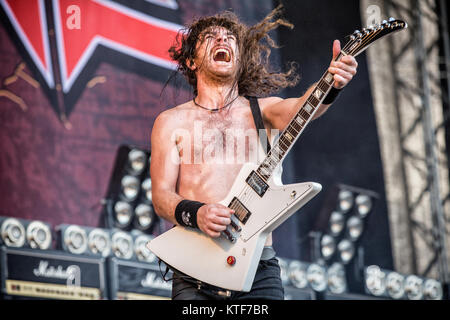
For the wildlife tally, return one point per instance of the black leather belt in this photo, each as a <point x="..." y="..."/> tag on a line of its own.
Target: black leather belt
<point x="267" y="254"/>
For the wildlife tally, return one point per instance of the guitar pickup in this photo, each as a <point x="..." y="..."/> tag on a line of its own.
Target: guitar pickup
<point x="240" y="211"/>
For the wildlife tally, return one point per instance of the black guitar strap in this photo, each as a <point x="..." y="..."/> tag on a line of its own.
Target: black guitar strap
<point x="257" y="117"/>
<point x="262" y="134"/>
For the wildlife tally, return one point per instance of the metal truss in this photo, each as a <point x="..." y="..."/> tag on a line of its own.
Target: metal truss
<point x="417" y="95"/>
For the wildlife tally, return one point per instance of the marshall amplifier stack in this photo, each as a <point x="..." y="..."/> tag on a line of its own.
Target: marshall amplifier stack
<point x="77" y="262"/>
<point x="131" y="280"/>
<point x="49" y="274"/>
<point x="53" y="274"/>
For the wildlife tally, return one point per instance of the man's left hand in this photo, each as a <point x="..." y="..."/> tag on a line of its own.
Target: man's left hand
<point x="344" y="69"/>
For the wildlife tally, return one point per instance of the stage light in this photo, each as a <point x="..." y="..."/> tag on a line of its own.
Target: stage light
<point x="129" y="196"/>
<point x="414" y="287"/>
<point x="122" y="245"/>
<point x="297" y="274"/>
<point x="83" y="240"/>
<point x="375" y="280"/>
<point x="337" y="282"/>
<point x="147" y="188"/>
<point x="13" y="233"/>
<point x="337" y="223"/>
<point x="144" y="216"/>
<point x="137" y="161"/>
<point x="19" y="233"/>
<point x="123" y="213"/>
<point x="75" y="239"/>
<point x="327" y="246"/>
<point x="395" y="285"/>
<point x="317" y="277"/>
<point x="346" y="251"/>
<point x="39" y="235"/>
<point x="354" y="228"/>
<point x="386" y="283"/>
<point x="99" y="242"/>
<point x="363" y="205"/>
<point x="345" y="202"/>
<point x="141" y="250"/>
<point x="130" y="187"/>
<point x="432" y="290"/>
<point x="284" y="265"/>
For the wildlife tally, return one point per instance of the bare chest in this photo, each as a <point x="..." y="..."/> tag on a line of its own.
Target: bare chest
<point x="219" y="138"/>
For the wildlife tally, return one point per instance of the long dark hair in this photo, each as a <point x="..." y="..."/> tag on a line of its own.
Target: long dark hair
<point x="255" y="76"/>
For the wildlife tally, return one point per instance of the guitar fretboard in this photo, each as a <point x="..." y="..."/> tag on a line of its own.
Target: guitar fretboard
<point x="290" y="134"/>
<point x="359" y="42"/>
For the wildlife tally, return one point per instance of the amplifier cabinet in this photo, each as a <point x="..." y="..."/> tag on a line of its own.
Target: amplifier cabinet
<point x="293" y="293"/>
<point x="51" y="275"/>
<point x="134" y="280"/>
<point x="350" y="296"/>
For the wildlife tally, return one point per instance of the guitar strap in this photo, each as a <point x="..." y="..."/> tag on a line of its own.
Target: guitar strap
<point x="262" y="134"/>
<point x="257" y="118"/>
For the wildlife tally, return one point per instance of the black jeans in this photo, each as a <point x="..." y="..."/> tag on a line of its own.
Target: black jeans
<point x="266" y="285"/>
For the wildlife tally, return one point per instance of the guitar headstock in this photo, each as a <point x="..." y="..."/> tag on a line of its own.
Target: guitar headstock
<point x="361" y="40"/>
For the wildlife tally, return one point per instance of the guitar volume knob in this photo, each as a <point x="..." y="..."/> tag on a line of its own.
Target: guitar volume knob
<point x="231" y="260"/>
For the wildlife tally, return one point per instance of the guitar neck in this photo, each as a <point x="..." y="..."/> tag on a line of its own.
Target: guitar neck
<point x="296" y="126"/>
<point x="359" y="41"/>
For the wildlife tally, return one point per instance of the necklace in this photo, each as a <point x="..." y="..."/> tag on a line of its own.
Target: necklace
<point x="216" y="109"/>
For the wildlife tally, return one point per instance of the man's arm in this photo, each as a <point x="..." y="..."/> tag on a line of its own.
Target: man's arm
<point x="164" y="169"/>
<point x="279" y="112"/>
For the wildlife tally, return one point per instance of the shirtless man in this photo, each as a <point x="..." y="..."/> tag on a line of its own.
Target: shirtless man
<point x="221" y="58"/>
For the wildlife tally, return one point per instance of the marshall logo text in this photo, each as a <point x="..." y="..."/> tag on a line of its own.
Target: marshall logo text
<point x="72" y="274"/>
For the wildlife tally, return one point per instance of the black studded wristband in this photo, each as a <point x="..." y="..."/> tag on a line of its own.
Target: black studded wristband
<point x="332" y="96"/>
<point x="186" y="213"/>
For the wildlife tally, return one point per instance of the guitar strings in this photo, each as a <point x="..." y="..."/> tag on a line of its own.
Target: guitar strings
<point x="247" y="190"/>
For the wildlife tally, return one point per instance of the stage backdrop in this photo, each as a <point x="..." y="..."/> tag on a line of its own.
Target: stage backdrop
<point x="79" y="78"/>
<point x="342" y="146"/>
<point x="71" y="96"/>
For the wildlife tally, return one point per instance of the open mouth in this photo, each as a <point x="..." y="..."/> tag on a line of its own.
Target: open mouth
<point x="222" y="54"/>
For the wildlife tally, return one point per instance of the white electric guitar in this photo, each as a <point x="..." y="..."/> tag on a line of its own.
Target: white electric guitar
<point x="260" y="203"/>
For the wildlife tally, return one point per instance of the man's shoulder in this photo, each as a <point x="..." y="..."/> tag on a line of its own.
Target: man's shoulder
<point x="269" y="101"/>
<point x="173" y="115"/>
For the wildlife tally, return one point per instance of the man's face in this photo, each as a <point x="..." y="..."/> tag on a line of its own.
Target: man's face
<point x="216" y="52"/>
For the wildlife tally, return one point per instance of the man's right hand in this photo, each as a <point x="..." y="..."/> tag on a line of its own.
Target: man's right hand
<point x="213" y="218"/>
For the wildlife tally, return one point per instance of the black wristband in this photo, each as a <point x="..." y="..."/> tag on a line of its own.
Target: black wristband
<point x="186" y="213"/>
<point x="332" y="95"/>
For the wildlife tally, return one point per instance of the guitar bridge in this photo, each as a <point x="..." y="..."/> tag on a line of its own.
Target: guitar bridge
<point x="240" y="211"/>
